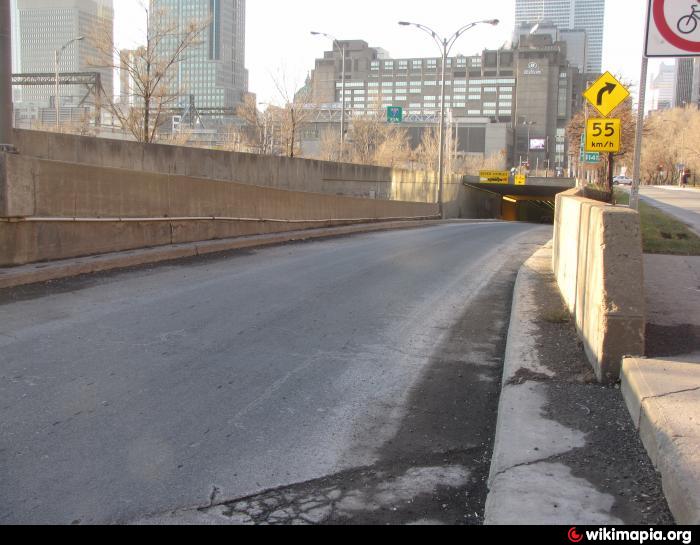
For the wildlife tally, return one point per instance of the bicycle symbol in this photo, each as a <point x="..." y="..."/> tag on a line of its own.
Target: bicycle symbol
<point x="689" y="23"/>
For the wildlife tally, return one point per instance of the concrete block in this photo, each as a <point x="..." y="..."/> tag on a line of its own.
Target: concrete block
<point x="17" y="176"/>
<point x="599" y="268"/>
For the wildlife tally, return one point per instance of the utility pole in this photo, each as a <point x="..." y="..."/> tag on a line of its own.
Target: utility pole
<point x="5" y="76"/>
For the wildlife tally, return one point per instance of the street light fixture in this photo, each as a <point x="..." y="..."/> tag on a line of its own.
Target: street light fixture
<point x="445" y="45"/>
<point x="57" y="57"/>
<point x="342" y="89"/>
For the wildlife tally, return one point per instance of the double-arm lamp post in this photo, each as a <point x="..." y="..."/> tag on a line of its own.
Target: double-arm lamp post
<point x="341" y="47"/>
<point x="445" y="45"/>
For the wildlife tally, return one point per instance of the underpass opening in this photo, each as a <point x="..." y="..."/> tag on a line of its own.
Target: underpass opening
<point x="533" y="202"/>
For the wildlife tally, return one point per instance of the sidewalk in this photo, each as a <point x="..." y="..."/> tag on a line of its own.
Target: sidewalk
<point x="566" y="449"/>
<point x="681" y="203"/>
<point x="663" y="394"/>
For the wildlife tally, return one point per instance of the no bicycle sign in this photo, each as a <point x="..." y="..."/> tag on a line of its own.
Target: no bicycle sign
<point x="673" y="28"/>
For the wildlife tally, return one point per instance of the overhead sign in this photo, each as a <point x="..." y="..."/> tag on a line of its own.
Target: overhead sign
<point x="604" y="135"/>
<point x="494" y="177"/>
<point x="520" y="179"/>
<point x="673" y="28"/>
<point x="606" y="94"/>
<point x="394" y="114"/>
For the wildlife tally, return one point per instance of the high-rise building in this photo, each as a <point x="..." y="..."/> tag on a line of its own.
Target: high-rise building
<point x="213" y="70"/>
<point x="687" y="88"/>
<point x="683" y="91"/>
<point x="587" y="15"/>
<point x="662" y="88"/>
<point x="575" y="40"/>
<point x="45" y="26"/>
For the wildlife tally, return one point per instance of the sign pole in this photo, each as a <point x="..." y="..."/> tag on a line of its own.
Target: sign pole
<point x="5" y="76"/>
<point x="637" y="175"/>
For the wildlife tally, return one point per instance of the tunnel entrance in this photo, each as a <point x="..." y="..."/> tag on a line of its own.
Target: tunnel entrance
<point x="533" y="202"/>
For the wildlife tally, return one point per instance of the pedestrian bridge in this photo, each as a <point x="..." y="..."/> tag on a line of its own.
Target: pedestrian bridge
<point x="534" y="201"/>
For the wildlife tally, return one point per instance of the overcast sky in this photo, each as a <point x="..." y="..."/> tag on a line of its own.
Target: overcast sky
<point x="278" y="39"/>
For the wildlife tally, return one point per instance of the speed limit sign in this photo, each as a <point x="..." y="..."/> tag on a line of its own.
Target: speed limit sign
<point x="673" y="28"/>
<point x="603" y="135"/>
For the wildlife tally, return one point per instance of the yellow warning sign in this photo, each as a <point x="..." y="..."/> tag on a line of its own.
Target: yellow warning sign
<point x="603" y="135"/>
<point x="520" y="179"/>
<point x="494" y="177"/>
<point x="606" y="94"/>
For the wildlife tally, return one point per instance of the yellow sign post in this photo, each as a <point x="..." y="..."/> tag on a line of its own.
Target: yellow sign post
<point x="603" y="135"/>
<point x="521" y="179"/>
<point x="606" y="94"/>
<point x="494" y="177"/>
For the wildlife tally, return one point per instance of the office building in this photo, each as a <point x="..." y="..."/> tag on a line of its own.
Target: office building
<point x="662" y="88"/>
<point x="575" y="40"/>
<point x="687" y="82"/>
<point x="494" y="100"/>
<point x="581" y="15"/>
<point x="44" y="27"/>
<point x="213" y="71"/>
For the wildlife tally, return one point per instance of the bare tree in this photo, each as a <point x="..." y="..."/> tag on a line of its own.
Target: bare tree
<point x="151" y="69"/>
<point x="395" y="150"/>
<point x="428" y="152"/>
<point x="670" y="141"/>
<point x="257" y="125"/>
<point x="293" y="115"/>
<point x="330" y="146"/>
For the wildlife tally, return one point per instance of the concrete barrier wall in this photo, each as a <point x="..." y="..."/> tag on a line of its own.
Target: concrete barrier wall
<point x="599" y="268"/>
<point x="250" y="169"/>
<point x="41" y="189"/>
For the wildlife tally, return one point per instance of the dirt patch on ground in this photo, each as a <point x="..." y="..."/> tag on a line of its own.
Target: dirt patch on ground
<point x="614" y="460"/>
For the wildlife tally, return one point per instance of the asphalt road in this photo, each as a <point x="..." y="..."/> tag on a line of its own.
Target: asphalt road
<point x="681" y="203"/>
<point x="148" y="391"/>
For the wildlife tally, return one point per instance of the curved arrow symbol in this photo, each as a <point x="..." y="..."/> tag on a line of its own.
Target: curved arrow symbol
<point x="609" y="88"/>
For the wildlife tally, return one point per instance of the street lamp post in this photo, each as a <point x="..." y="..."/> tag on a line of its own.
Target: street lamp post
<point x="445" y="45"/>
<point x="57" y="58"/>
<point x="342" y="90"/>
<point x="5" y="76"/>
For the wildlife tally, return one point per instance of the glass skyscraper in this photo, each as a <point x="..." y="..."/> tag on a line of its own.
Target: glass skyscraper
<point x="44" y="26"/>
<point x="212" y="70"/>
<point x="588" y="15"/>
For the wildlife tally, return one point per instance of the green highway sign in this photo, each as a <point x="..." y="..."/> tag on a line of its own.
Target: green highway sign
<point x="394" y="114"/>
<point x="590" y="157"/>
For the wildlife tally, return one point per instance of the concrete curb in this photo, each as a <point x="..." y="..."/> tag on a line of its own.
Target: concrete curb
<point x="663" y="398"/>
<point x="526" y="485"/>
<point x="44" y="272"/>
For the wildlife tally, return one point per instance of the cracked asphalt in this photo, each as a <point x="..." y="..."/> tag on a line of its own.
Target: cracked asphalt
<point x="350" y="381"/>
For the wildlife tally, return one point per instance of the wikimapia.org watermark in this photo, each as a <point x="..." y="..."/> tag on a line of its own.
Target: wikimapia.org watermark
<point x="634" y="536"/>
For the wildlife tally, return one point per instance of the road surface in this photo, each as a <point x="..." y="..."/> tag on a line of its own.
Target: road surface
<point x="149" y="391"/>
<point x="681" y="203"/>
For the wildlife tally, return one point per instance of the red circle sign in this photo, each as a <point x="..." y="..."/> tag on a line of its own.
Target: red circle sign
<point x="665" y="30"/>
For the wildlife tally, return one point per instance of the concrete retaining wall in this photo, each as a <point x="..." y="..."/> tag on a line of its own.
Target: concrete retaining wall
<point x="250" y="169"/>
<point x="599" y="267"/>
<point x="163" y="209"/>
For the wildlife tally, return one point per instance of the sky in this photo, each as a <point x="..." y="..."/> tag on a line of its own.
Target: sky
<point x="278" y="40"/>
